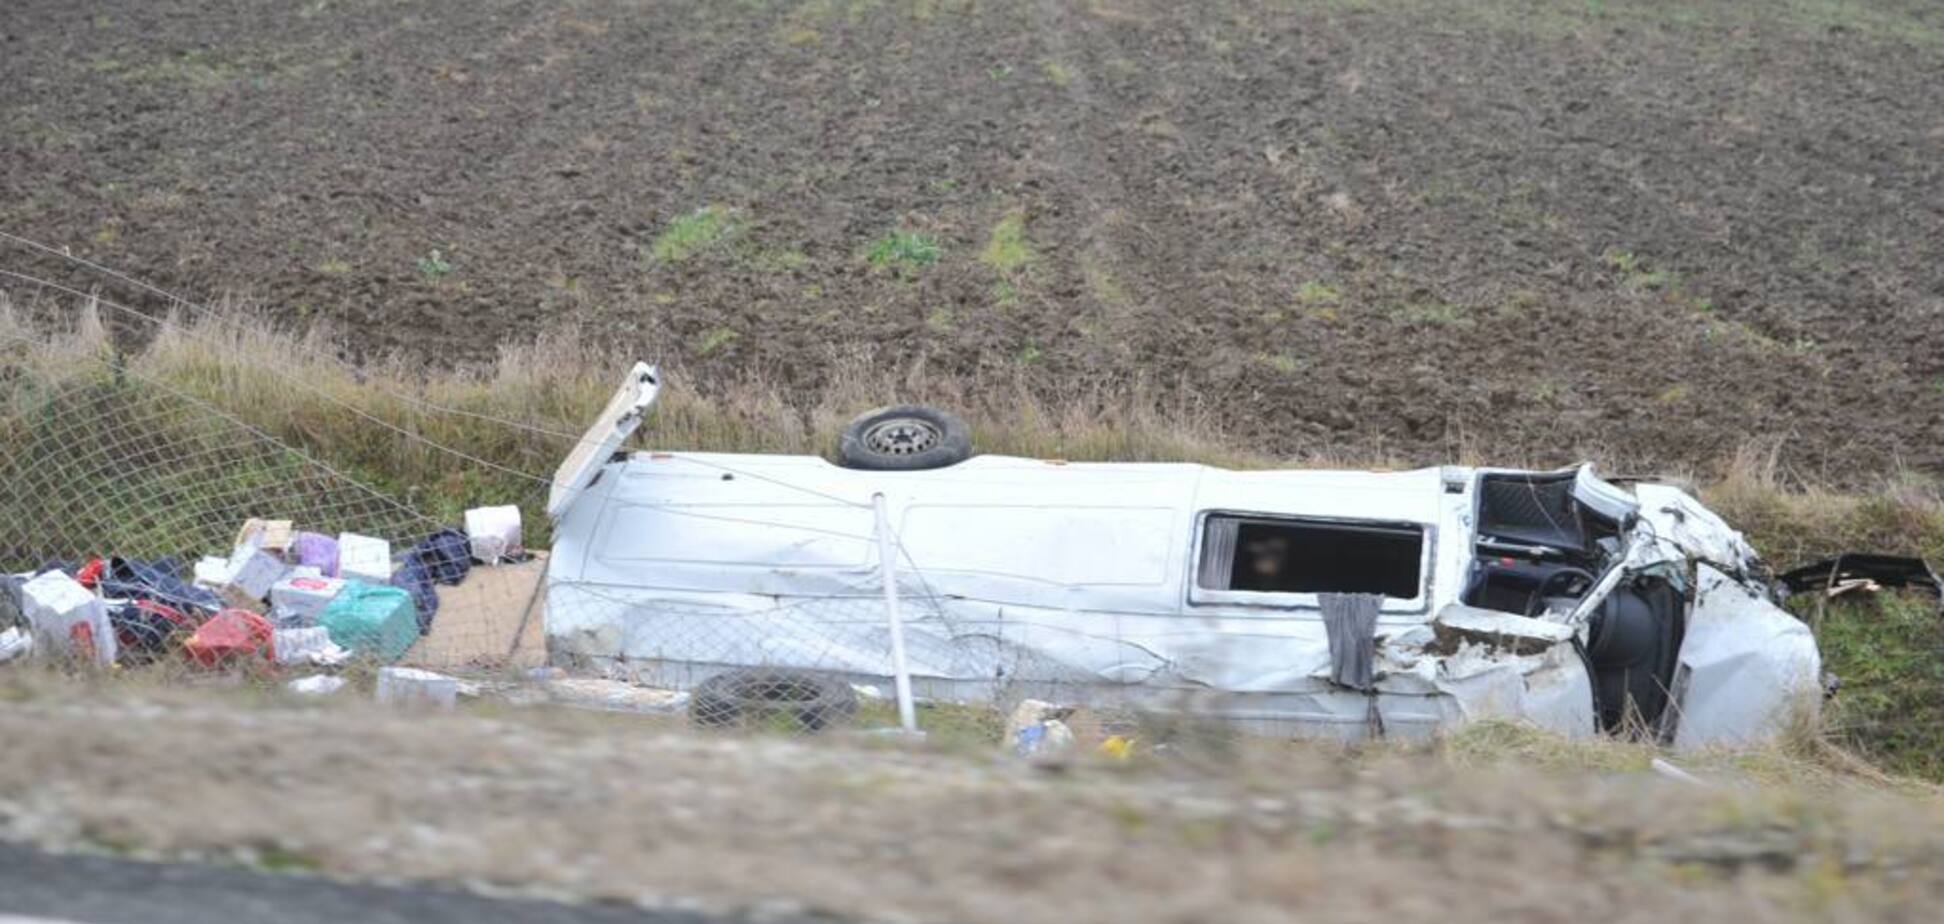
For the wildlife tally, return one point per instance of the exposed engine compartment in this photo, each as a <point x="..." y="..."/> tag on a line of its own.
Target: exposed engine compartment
<point x="1539" y="550"/>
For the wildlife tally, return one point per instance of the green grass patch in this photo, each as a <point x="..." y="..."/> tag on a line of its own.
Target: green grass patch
<point x="1887" y="652"/>
<point x="693" y="233"/>
<point x="1007" y="249"/>
<point x="905" y="251"/>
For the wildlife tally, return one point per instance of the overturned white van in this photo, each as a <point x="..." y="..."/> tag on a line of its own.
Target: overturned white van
<point x="1295" y="602"/>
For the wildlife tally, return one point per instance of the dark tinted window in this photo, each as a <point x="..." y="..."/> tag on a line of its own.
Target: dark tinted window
<point x="1296" y="556"/>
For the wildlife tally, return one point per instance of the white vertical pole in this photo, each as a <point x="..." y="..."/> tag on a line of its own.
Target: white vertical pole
<point x="900" y="671"/>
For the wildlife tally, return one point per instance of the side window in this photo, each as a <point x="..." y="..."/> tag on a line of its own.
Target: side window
<point x="1271" y="555"/>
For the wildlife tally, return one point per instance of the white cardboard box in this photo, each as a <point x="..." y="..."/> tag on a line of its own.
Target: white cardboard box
<point x="248" y="576"/>
<point x="363" y="558"/>
<point x="56" y="605"/>
<point x="298" y="599"/>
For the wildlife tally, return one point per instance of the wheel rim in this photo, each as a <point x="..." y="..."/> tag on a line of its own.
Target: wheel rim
<point x="902" y="436"/>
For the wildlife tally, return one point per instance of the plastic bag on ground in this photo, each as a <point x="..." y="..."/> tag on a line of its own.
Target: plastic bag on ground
<point x="310" y="645"/>
<point x="317" y="551"/>
<point x="318" y="685"/>
<point x="371" y="620"/>
<point x="229" y="636"/>
<point x="494" y="533"/>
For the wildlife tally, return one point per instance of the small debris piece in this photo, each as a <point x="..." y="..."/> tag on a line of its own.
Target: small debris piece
<point x="15" y="644"/>
<point x="616" y="696"/>
<point x="316" y="685"/>
<point x="1522" y="635"/>
<point x="1672" y="772"/>
<point x="1038" y="729"/>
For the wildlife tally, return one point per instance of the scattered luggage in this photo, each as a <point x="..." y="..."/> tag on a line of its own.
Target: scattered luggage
<point x="281" y="596"/>
<point x="371" y="620"/>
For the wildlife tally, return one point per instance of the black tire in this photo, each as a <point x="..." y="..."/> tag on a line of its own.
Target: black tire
<point x="904" y="438"/>
<point x="812" y="701"/>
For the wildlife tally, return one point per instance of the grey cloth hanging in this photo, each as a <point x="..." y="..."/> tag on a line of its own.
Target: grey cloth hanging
<point x="1351" y="621"/>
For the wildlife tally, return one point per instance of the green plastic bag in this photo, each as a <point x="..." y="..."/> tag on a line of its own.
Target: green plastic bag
<point x="372" y="620"/>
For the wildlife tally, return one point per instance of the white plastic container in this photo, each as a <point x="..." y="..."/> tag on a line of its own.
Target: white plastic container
<point x="63" y="614"/>
<point x="363" y="558"/>
<point x="297" y="600"/>
<point x="409" y="686"/>
<point x="495" y="533"/>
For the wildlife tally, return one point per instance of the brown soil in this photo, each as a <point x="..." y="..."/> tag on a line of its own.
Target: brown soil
<point x="1517" y="229"/>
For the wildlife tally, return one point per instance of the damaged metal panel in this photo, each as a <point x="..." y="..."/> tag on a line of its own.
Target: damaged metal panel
<point x="1748" y="667"/>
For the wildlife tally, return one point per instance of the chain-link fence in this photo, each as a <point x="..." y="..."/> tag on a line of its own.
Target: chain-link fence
<point x="144" y="525"/>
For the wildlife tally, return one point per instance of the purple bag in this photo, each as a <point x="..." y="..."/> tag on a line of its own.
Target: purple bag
<point x="318" y="551"/>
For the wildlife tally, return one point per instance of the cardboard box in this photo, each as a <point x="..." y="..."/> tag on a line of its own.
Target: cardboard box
<point x="299" y="599"/>
<point x="248" y="576"/>
<point x="268" y="535"/>
<point x="363" y="558"/>
<point x="67" y="618"/>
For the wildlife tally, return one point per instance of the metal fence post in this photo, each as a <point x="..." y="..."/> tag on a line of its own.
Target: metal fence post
<point x="888" y="561"/>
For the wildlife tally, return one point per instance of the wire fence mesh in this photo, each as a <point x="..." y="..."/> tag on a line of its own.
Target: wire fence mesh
<point x="141" y="524"/>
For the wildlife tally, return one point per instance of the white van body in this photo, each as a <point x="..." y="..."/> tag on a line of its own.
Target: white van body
<point x="1116" y="583"/>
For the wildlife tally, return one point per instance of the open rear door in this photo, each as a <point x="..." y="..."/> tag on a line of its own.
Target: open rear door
<point x="622" y="415"/>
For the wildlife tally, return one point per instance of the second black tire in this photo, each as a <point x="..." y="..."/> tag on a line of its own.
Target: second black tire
<point x="904" y="438"/>
<point x="811" y="701"/>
